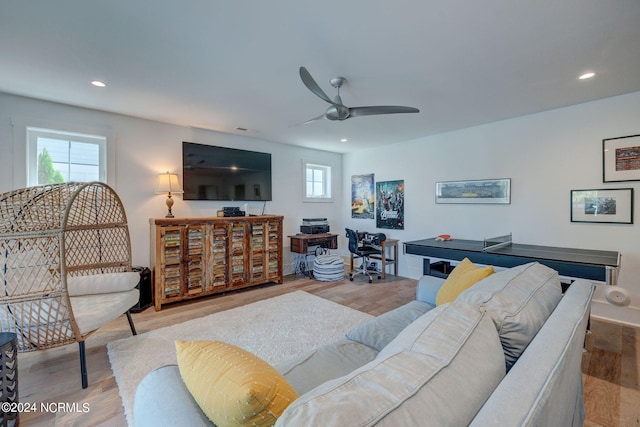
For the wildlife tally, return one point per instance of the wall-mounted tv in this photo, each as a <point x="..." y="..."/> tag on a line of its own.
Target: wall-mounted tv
<point x="221" y="173"/>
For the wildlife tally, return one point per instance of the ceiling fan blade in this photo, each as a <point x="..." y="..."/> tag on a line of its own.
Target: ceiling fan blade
<point x="380" y="109"/>
<point x="321" y="116"/>
<point x="313" y="86"/>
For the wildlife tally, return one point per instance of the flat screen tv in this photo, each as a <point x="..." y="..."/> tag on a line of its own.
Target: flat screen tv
<point x="221" y="173"/>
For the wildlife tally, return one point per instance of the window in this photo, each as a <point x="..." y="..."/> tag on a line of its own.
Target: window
<point x="58" y="156"/>
<point x="317" y="182"/>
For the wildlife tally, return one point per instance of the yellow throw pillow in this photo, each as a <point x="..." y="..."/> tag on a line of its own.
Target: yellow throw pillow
<point x="465" y="275"/>
<point x="232" y="386"/>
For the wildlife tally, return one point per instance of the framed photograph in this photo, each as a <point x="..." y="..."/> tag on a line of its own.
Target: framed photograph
<point x="390" y="207"/>
<point x="621" y="159"/>
<point x="491" y="191"/>
<point x="613" y="205"/>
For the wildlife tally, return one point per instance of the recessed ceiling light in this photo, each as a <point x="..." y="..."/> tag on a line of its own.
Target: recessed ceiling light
<point x="344" y="140"/>
<point x="586" y="76"/>
<point x="98" y="83"/>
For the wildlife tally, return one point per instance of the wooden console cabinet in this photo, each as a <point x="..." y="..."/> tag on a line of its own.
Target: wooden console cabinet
<point x="194" y="257"/>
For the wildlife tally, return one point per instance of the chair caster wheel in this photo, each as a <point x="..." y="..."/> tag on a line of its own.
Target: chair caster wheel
<point x="351" y="279"/>
<point x="370" y="281"/>
<point x="379" y="277"/>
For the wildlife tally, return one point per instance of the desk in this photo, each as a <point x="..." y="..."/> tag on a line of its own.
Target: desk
<point x="384" y="260"/>
<point x="588" y="264"/>
<point x="300" y="242"/>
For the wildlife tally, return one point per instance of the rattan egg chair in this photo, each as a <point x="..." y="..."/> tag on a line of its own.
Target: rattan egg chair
<point x="65" y="264"/>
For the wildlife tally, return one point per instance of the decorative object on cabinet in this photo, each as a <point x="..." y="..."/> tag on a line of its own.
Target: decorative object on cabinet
<point x="390" y="209"/>
<point x="621" y="159"/>
<point x="168" y="183"/>
<point x="609" y="205"/>
<point x="489" y="191"/>
<point x="194" y="257"/>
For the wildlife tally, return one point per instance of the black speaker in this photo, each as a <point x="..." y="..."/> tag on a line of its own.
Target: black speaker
<point x="144" y="286"/>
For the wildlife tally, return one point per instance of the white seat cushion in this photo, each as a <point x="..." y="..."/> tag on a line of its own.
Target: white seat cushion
<point x="94" y="311"/>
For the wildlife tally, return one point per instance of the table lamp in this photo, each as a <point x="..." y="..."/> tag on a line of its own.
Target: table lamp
<point x="168" y="183"/>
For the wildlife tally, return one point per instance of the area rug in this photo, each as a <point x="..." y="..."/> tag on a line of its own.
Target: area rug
<point x="274" y="329"/>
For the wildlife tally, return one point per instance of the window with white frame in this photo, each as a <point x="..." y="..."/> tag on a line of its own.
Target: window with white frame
<point x="59" y="156"/>
<point x="317" y="182"/>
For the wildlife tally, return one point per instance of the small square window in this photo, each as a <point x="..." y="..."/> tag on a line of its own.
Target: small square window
<point x="317" y="183"/>
<point x="57" y="156"/>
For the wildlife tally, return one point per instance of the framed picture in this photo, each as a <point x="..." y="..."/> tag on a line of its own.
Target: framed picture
<point x="613" y="205"/>
<point x="390" y="207"/>
<point x="621" y="159"/>
<point x="492" y="191"/>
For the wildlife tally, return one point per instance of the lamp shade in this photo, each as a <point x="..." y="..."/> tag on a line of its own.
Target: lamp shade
<point x="168" y="183"/>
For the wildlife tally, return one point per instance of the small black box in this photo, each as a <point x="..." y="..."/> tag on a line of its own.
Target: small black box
<point x="145" y="288"/>
<point x="314" y="229"/>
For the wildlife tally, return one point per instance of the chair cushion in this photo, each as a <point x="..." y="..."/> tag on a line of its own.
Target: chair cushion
<point x="434" y="365"/>
<point x="519" y="301"/>
<point x="379" y="331"/>
<point x="463" y="276"/>
<point x="94" y="311"/>
<point x="232" y="386"/>
<point x="102" y="283"/>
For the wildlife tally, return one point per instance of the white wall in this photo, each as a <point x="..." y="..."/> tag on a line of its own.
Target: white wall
<point x="546" y="155"/>
<point x="145" y="148"/>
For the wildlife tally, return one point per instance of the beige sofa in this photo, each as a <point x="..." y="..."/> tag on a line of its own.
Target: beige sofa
<point x="507" y="352"/>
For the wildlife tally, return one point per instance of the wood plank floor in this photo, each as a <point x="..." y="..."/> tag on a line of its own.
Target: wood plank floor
<point x="611" y="364"/>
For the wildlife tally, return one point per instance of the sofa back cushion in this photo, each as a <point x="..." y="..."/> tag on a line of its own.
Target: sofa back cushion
<point x="465" y="275"/>
<point x="381" y="330"/>
<point x="450" y="355"/>
<point x="519" y="301"/>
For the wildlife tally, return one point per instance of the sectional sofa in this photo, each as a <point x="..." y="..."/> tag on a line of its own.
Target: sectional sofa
<point x="507" y="351"/>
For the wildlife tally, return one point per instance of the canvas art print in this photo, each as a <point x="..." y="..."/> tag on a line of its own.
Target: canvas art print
<point x="390" y="211"/>
<point x="362" y="196"/>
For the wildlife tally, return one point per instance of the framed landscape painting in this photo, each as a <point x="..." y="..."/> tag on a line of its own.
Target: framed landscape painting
<point x="606" y="206"/>
<point x="491" y="191"/>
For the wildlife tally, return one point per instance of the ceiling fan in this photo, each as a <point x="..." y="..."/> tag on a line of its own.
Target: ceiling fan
<point x="339" y="111"/>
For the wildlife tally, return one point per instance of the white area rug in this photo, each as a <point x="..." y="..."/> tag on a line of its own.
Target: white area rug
<point x="274" y="329"/>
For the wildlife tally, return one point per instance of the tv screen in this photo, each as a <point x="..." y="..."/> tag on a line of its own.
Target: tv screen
<point x="220" y="173"/>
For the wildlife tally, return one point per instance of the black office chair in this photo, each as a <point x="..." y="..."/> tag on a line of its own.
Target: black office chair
<point x="362" y="251"/>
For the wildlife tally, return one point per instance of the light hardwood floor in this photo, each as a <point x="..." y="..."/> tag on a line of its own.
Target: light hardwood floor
<point x="611" y="364"/>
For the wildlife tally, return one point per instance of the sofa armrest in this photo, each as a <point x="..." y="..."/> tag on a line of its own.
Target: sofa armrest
<point x="428" y="287"/>
<point x="162" y="399"/>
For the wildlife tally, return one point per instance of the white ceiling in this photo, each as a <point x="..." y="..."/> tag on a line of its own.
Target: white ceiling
<point x="220" y="65"/>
